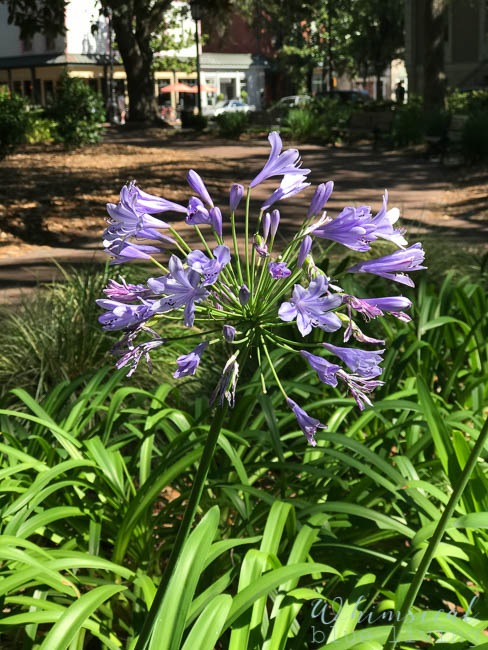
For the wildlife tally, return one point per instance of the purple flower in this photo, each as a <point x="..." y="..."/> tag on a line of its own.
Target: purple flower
<point x="364" y="362"/>
<point x="320" y="198"/>
<point x="266" y="225"/>
<point x="229" y="333"/>
<point x="125" y="251"/>
<point x="393" y="266"/>
<point x="260" y="246"/>
<point x="188" y="363"/>
<point x="304" y="250"/>
<point x="197" y="213"/>
<point x="306" y="423"/>
<point x="383" y="223"/>
<point x="352" y="228"/>
<point x="279" y="164"/>
<point x="125" y="292"/>
<point x="145" y="203"/>
<point x="126" y="221"/>
<point x="209" y="268"/>
<point x="134" y="354"/>
<point x="372" y="307"/>
<point x="216" y="220"/>
<point x="181" y="288"/>
<point x="120" y="315"/>
<point x="290" y="185"/>
<point x="359" y="387"/>
<point x="236" y="192"/>
<point x="198" y="186"/>
<point x="325" y="370"/>
<point x="226" y="386"/>
<point x="275" y="222"/>
<point x="244" y="295"/>
<point x="278" y="270"/>
<point x="310" y="307"/>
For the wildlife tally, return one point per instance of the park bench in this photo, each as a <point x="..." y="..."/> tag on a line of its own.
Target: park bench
<point x="450" y="142"/>
<point x="370" y="123"/>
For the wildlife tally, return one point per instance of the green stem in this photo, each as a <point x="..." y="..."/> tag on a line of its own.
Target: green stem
<point x="155" y="261"/>
<point x="236" y="250"/>
<point x="196" y="492"/>
<point x="424" y="565"/>
<point x="277" y="379"/>
<point x="246" y="239"/>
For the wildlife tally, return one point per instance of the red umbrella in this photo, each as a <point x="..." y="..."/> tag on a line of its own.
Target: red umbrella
<point x="179" y="88"/>
<point x="207" y="88"/>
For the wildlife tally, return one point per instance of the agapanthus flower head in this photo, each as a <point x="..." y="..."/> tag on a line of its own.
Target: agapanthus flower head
<point x="245" y="302"/>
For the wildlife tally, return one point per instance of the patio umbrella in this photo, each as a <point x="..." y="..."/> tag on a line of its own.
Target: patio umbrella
<point x="179" y="88"/>
<point x="207" y="88"/>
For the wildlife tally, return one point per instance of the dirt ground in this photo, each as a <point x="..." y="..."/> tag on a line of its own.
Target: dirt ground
<point x="50" y="198"/>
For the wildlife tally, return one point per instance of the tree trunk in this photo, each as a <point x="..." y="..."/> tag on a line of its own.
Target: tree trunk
<point x="434" y="78"/>
<point x="137" y="58"/>
<point x="379" y="87"/>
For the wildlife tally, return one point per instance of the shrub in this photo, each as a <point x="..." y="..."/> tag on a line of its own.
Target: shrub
<point x="14" y="121"/>
<point x="79" y="112"/>
<point x="191" y="121"/>
<point x="408" y="123"/>
<point x="470" y="102"/>
<point x="39" y="127"/>
<point x="475" y="137"/>
<point x="231" y="125"/>
<point x="303" y="125"/>
<point x="334" y="116"/>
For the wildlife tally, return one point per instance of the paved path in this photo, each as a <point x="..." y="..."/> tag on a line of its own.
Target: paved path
<point x="415" y="186"/>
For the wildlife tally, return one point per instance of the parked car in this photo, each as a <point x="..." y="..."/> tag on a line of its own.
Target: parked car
<point x="278" y="110"/>
<point x="348" y="96"/>
<point x="231" y="106"/>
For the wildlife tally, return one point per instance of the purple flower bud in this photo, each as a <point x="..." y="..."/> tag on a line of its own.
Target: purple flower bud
<point x="278" y="270"/>
<point x="134" y="354"/>
<point x="320" y="198"/>
<point x="275" y="220"/>
<point x="394" y="266"/>
<point x="304" y="250"/>
<point x="244" y="295"/>
<point x="236" y="192"/>
<point x="198" y="186"/>
<point x="260" y="247"/>
<point x="266" y="225"/>
<point x="306" y="423"/>
<point x="188" y="363"/>
<point x="229" y="333"/>
<point x="216" y="220"/>
<point x="226" y="387"/>
<point x="125" y="292"/>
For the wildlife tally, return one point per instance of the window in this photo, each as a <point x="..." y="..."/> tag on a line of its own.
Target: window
<point x="27" y="45"/>
<point x="49" y="43"/>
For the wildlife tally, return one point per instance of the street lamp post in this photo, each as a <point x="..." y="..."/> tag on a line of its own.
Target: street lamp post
<point x="196" y="14"/>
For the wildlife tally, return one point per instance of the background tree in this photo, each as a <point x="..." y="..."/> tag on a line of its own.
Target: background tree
<point x="139" y="26"/>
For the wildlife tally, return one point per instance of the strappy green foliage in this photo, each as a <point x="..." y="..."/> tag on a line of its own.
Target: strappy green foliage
<point x="295" y="547"/>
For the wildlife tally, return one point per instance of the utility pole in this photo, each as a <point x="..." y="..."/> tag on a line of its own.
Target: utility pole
<point x="196" y="14"/>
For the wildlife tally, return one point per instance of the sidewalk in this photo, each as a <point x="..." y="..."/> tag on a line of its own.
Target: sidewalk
<point x="417" y="187"/>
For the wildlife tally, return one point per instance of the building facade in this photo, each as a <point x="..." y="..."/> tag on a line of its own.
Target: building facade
<point x="465" y="44"/>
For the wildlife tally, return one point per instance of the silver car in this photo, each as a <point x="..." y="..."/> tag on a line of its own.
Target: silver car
<point x="232" y="106"/>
